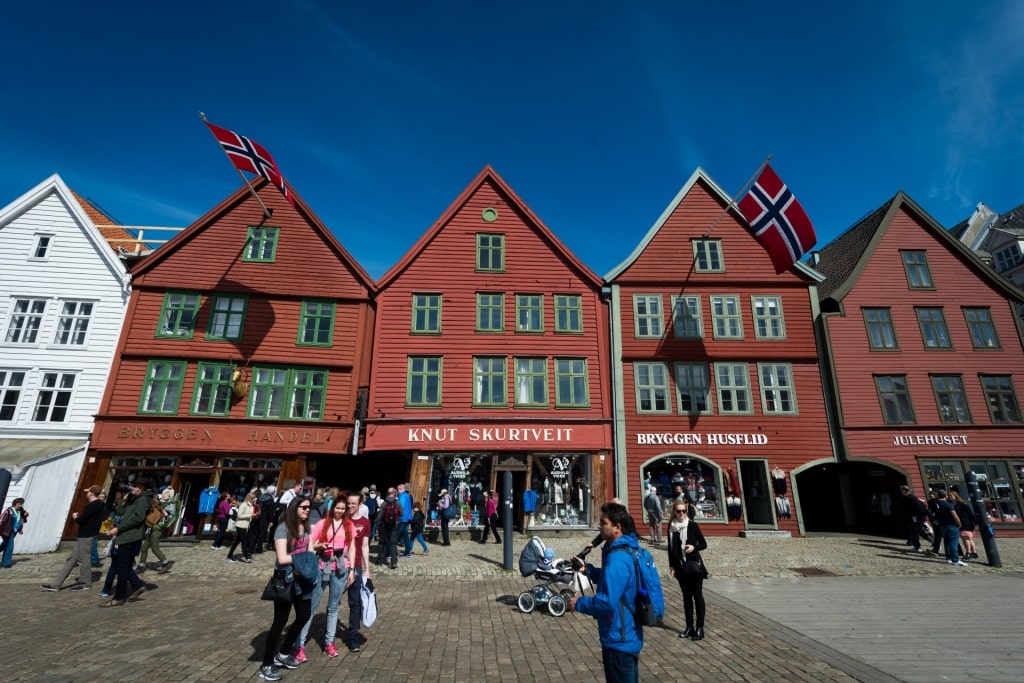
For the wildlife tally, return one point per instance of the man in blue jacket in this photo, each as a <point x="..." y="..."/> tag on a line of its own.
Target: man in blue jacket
<point x="613" y="604"/>
<point x="404" y="520"/>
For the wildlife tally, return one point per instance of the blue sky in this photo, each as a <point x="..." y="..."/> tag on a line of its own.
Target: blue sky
<point x="596" y="113"/>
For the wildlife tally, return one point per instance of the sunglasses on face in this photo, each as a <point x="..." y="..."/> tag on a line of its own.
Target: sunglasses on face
<point x="678" y="510"/>
<point x="303" y="507"/>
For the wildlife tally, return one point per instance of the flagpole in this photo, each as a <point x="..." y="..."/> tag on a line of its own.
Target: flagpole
<point x="266" y="212"/>
<point x="732" y="202"/>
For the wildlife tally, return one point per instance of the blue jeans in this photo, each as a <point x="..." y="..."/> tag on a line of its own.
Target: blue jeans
<point x="335" y="587"/>
<point x="314" y="604"/>
<point x="620" y="667"/>
<point x="404" y="537"/>
<point x="7" y="546"/>
<point x="94" y="552"/>
<point x="951" y="538"/>
<point x="422" y="541"/>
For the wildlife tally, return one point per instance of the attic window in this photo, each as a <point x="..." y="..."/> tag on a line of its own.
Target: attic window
<point x="41" y="251"/>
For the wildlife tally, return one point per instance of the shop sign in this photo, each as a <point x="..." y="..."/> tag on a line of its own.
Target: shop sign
<point x="560" y="468"/>
<point x="164" y="434"/>
<point x="694" y="439"/>
<point x="930" y="440"/>
<point x="490" y="435"/>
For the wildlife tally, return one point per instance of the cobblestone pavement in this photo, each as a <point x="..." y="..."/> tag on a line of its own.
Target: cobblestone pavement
<point x="802" y="609"/>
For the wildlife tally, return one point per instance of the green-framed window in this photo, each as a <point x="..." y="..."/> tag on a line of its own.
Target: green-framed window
<point x="647" y="316"/>
<point x="490" y="312"/>
<point x="651" y="381"/>
<point x="178" y="315"/>
<point x="571" y="385"/>
<point x="423" y="381"/>
<point x="934" y="332"/>
<point x="732" y="385"/>
<point x="287" y="393"/>
<point x="769" y="322"/>
<point x="778" y="391"/>
<point x="726" y="319"/>
<point x="915" y="264"/>
<point x="881" y="333"/>
<point x="687" y="318"/>
<point x="707" y="256"/>
<point x="212" y="394"/>
<point x="490" y="252"/>
<point x="426" y="313"/>
<point x="316" y="324"/>
<point x="529" y="312"/>
<point x="983" y="331"/>
<point x="261" y="244"/>
<point x="894" y="399"/>
<point x="1001" y="399"/>
<point x="227" y="317"/>
<point x="693" y="388"/>
<point x="568" y="313"/>
<point x="161" y="390"/>
<point x="490" y="381"/>
<point x="531" y="382"/>
<point x="951" y="399"/>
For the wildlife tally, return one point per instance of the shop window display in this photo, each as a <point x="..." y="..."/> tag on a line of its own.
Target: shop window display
<point x="1001" y="495"/>
<point x="698" y="481"/>
<point x="562" y="487"/>
<point x="465" y="477"/>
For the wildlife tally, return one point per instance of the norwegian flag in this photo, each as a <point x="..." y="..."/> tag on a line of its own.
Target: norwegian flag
<point x="249" y="155"/>
<point x="778" y="221"/>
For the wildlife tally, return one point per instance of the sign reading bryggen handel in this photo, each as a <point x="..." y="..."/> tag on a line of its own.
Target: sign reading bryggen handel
<point x="692" y="439"/>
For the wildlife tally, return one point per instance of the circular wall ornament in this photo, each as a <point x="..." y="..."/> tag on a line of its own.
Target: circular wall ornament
<point x="489" y="214"/>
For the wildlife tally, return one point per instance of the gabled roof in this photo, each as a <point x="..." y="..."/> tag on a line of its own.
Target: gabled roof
<point x="112" y="232"/>
<point x="726" y="200"/>
<point x="843" y="259"/>
<point x="1012" y="221"/>
<point x="488" y="174"/>
<point x="55" y="185"/>
<point x="232" y="201"/>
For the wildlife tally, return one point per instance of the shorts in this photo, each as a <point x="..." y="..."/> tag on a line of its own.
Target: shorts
<point x="964" y="533"/>
<point x="653" y="518"/>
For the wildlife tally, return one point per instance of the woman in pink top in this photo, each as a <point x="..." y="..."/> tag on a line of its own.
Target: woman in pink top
<point x="490" y="516"/>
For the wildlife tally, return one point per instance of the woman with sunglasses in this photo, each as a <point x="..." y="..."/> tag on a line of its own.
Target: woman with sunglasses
<point x="290" y="538"/>
<point x="685" y="541"/>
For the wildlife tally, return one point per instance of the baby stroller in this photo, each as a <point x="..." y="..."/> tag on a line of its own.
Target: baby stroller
<point x="557" y="581"/>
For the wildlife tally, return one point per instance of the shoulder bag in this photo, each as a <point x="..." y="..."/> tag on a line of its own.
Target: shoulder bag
<point x="280" y="588"/>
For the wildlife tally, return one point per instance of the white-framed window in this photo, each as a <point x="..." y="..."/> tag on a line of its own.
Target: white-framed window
<point x="54" y="397"/>
<point x="732" y="385"/>
<point x="707" y="256"/>
<point x="725" y="316"/>
<point x="651" y="388"/>
<point x="687" y="318"/>
<point x="73" y="325"/>
<point x="41" y="247"/>
<point x="11" y="384"/>
<point x="1008" y="258"/>
<point x="647" y="316"/>
<point x="778" y="393"/>
<point x="26" y="319"/>
<point x="768" y="319"/>
<point x="693" y="389"/>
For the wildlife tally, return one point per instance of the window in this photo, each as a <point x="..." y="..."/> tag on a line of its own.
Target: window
<point x="950" y="398"/>
<point x="693" y="388"/>
<point x="983" y="332"/>
<point x="11" y="383"/>
<point x="768" y="322"/>
<point x="490" y="312"/>
<point x="934" y="332"/>
<point x="290" y="393"/>
<point x="261" y="245"/>
<point x="529" y="313"/>
<point x="687" y="320"/>
<point x="733" y="388"/>
<point x="54" y="397"/>
<point x="490" y="252"/>
<point x="73" y="323"/>
<point x="316" y="325"/>
<point x="178" y="316"/>
<point x="571" y="383"/>
<point x="227" y="315"/>
<point x="651" y="387"/>
<point x="778" y="395"/>
<point x="1001" y="398"/>
<point x="915" y="263"/>
<point x="894" y="397"/>
<point x="881" y="334"/>
<point x="531" y="382"/>
<point x="647" y="317"/>
<point x="26" y="319"/>
<point x="489" y="381"/>
<point x="725" y="317"/>
<point x="42" y="247"/>
<point x="426" y="314"/>
<point x="1007" y="258"/>
<point x="423" y="385"/>
<point x="707" y="256"/>
<point x="212" y="394"/>
<point x="1000" y="495"/>
<point x="162" y="388"/>
<point x="568" y="313"/>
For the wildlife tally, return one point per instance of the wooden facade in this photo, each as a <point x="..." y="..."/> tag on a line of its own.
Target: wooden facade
<point x="926" y="371"/>
<point x="243" y="358"/>
<point x="486" y="292"/>
<point x="733" y="414"/>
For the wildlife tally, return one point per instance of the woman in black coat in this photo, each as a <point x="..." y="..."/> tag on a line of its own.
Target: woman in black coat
<point x="685" y="541"/>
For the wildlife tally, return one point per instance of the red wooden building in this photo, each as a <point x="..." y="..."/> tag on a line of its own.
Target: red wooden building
<point x="926" y="354"/>
<point x="489" y="354"/>
<point x="243" y="356"/>
<point x="717" y="374"/>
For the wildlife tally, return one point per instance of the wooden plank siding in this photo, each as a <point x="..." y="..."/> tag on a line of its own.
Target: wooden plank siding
<point x="662" y="265"/>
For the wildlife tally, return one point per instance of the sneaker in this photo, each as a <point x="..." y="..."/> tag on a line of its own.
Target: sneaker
<point x="48" y="587"/>
<point x="330" y="650"/>
<point x="269" y="672"/>
<point x="932" y="553"/>
<point x="229" y="559"/>
<point x="353" y="647"/>
<point x="164" y="568"/>
<point x="959" y="563"/>
<point x="104" y="594"/>
<point x="916" y="550"/>
<point x="300" y="654"/>
<point x="287" y="661"/>
<point x="139" y="568"/>
<point x="80" y="587"/>
<point x="247" y="560"/>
